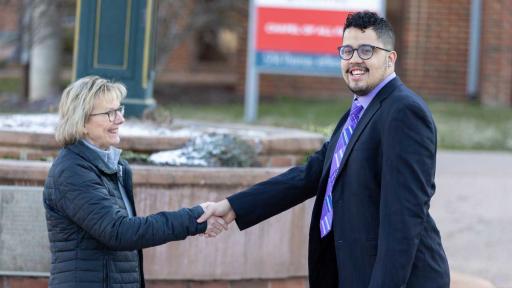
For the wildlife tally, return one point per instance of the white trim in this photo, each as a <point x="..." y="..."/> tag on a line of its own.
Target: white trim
<point x="336" y="5"/>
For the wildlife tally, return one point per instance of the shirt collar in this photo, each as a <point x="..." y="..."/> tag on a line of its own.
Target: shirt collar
<point x="365" y="100"/>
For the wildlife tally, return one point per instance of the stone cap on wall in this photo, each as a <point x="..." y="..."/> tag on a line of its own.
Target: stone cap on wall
<point x="35" y="173"/>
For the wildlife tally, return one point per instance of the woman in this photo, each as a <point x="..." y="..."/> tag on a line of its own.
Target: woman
<point x="95" y="236"/>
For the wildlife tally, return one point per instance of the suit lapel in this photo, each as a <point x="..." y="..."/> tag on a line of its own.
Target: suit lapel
<point x="368" y="115"/>
<point x="332" y="145"/>
<point x="363" y="122"/>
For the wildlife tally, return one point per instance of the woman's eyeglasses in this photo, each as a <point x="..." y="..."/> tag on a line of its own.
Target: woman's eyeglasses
<point x="112" y="114"/>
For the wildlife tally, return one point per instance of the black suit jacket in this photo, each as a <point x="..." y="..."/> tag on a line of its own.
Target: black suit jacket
<point x="383" y="234"/>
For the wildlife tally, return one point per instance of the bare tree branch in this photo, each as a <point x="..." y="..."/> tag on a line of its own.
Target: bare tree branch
<point x="179" y="19"/>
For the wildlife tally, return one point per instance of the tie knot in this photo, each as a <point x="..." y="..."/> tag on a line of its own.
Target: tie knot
<point x="356" y="109"/>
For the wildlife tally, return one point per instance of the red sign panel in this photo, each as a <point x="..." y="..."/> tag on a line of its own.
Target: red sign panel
<point x="299" y="30"/>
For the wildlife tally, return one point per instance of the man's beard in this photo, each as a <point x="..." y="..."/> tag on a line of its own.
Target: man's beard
<point x="361" y="91"/>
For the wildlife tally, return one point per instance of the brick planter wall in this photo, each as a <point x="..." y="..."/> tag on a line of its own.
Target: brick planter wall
<point x="269" y="255"/>
<point x="275" y="249"/>
<point x="294" y="282"/>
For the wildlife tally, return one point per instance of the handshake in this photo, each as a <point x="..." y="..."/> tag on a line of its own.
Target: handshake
<point x="218" y="215"/>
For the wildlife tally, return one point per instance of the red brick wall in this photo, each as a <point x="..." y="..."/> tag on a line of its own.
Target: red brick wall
<point x="433" y="38"/>
<point x="496" y="53"/>
<point x="181" y="59"/>
<point x="434" y="47"/>
<point x="302" y="86"/>
<point x="9" y="16"/>
<point x="23" y="282"/>
<point x="241" y="57"/>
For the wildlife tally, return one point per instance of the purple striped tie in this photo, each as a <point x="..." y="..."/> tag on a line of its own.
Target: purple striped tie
<point x="353" y="118"/>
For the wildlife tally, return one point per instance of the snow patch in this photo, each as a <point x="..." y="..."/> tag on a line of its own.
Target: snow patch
<point x="46" y="124"/>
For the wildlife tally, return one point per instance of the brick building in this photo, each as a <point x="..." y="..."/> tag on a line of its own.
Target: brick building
<point x="432" y="44"/>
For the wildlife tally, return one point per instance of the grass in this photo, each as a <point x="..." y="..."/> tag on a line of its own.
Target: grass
<point x="312" y="115"/>
<point x="472" y="126"/>
<point x="10" y="85"/>
<point x="461" y="126"/>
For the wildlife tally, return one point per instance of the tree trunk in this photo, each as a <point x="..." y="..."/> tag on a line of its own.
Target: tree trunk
<point x="45" y="52"/>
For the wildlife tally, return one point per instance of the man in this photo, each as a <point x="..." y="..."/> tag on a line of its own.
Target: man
<point x="374" y="179"/>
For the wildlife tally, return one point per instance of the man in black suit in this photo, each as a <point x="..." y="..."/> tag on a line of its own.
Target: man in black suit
<point x="374" y="179"/>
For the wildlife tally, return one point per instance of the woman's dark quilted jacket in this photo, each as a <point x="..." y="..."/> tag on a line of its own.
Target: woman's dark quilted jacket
<point x="93" y="242"/>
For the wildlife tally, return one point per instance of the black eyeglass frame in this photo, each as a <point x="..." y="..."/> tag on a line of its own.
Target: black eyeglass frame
<point x="111" y="114"/>
<point x="357" y="49"/>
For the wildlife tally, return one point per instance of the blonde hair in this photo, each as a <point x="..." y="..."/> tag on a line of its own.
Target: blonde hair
<point x="77" y="103"/>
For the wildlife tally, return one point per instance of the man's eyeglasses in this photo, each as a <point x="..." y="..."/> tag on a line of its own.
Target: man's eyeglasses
<point x="112" y="114"/>
<point x="364" y="51"/>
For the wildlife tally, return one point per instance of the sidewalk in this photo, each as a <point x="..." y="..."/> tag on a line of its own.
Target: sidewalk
<point x="472" y="210"/>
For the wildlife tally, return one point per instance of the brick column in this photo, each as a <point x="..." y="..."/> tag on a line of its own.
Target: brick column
<point x="496" y="53"/>
<point x="241" y="56"/>
<point x="434" y="47"/>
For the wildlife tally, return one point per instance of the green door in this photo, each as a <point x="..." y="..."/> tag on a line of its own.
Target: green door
<point x="115" y="39"/>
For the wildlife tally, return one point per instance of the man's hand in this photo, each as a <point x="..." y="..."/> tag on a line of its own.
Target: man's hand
<point x="215" y="225"/>
<point x="220" y="209"/>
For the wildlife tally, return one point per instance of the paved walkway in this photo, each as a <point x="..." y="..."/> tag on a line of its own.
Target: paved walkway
<point x="473" y="211"/>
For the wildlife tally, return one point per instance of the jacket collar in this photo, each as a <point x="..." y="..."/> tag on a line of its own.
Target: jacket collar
<point x="91" y="156"/>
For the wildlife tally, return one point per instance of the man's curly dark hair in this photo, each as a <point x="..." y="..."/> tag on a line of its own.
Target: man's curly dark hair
<point x="371" y="20"/>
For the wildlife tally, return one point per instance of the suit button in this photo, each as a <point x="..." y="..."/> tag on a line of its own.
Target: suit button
<point x="340" y="242"/>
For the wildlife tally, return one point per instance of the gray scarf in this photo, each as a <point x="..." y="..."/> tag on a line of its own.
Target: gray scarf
<point x="111" y="156"/>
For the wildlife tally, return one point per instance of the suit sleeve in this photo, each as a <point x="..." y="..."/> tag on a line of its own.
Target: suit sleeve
<point x="409" y="153"/>
<point x="279" y="193"/>
<point x="87" y="203"/>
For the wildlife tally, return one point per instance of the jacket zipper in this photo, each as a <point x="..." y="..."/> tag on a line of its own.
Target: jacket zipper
<point x="106" y="279"/>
